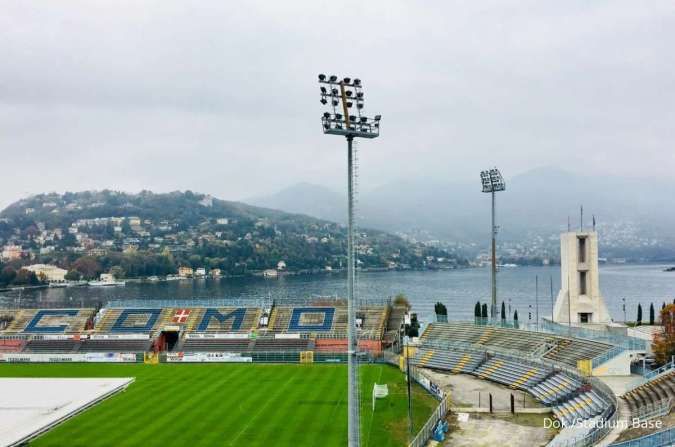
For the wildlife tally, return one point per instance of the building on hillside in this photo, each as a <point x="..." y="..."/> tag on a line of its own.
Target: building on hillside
<point x="11" y="252"/>
<point x="50" y="273"/>
<point x="185" y="272"/>
<point x="579" y="299"/>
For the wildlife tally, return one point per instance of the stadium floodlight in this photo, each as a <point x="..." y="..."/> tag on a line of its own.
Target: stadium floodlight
<point x="493" y="182"/>
<point x="342" y="123"/>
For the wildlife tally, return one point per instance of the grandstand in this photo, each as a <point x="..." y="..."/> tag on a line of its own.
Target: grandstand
<point x="651" y="393"/>
<point x="306" y="326"/>
<point x="551" y="347"/>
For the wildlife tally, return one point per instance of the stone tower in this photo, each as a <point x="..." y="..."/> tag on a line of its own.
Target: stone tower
<point x="579" y="296"/>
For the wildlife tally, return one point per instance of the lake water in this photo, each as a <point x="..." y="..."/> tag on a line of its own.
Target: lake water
<point x="457" y="289"/>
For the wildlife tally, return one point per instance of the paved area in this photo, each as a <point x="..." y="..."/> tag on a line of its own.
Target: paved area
<point x="28" y="406"/>
<point x="482" y="430"/>
<point x="468" y="391"/>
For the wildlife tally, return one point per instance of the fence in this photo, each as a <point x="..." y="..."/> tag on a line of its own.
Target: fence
<point x="604" y="336"/>
<point x="651" y="375"/>
<point x="663" y="438"/>
<point x="655" y="410"/>
<point x="427" y="430"/>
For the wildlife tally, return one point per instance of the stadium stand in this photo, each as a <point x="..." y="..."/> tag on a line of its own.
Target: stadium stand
<point x="51" y="346"/>
<point x="514" y="375"/>
<point x="652" y="392"/>
<point x="455" y="362"/>
<point x="115" y="345"/>
<point x="215" y="345"/>
<point x="281" y="344"/>
<point x="555" y="348"/>
<point x="320" y="325"/>
<point x="555" y="388"/>
<point x="583" y="406"/>
<point x="49" y="321"/>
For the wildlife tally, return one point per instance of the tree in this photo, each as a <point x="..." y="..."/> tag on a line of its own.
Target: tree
<point x="476" y="310"/>
<point x="639" y="315"/>
<point x="515" y="318"/>
<point x="651" y="314"/>
<point x="26" y="277"/>
<point x="88" y="267"/>
<point x="73" y="275"/>
<point x="663" y="344"/>
<point x="503" y="311"/>
<point x="484" y="311"/>
<point x="400" y="300"/>
<point x="441" y="312"/>
<point x="7" y="275"/>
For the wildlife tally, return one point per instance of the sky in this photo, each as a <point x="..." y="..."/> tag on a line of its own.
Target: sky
<point x="222" y="97"/>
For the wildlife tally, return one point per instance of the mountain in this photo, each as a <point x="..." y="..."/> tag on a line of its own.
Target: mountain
<point x="153" y="234"/>
<point x="306" y="198"/>
<point x="634" y="215"/>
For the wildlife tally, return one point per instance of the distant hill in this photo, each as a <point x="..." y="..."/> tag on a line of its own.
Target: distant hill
<point x="633" y="215"/>
<point x="153" y="234"/>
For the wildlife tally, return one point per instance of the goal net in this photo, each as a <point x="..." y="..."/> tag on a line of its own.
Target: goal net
<point x="379" y="391"/>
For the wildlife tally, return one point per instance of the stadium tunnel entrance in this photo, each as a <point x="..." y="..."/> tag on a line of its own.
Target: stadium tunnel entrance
<point x="168" y="339"/>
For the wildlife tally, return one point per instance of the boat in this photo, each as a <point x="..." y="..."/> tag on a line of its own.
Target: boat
<point x="669" y="269"/>
<point x="106" y="280"/>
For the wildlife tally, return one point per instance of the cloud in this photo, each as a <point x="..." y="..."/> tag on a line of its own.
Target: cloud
<point x="222" y="97"/>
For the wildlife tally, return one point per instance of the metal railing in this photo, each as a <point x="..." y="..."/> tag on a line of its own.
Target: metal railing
<point x="606" y="356"/>
<point x="420" y="440"/>
<point x="653" y="410"/>
<point x="663" y="438"/>
<point x="603" y="336"/>
<point x="650" y="376"/>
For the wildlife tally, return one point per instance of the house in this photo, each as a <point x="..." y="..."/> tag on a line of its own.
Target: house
<point x="11" y="252"/>
<point x="185" y="272"/>
<point x="215" y="273"/>
<point x="50" y="273"/>
<point x="281" y="265"/>
<point x="200" y="272"/>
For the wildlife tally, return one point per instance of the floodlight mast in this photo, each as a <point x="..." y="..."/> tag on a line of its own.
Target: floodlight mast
<point x="349" y="126"/>
<point x="493" y="182"/>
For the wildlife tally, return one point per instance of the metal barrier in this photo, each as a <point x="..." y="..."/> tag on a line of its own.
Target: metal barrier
<point x="655" y="410"/>
<point x="603" y="336"/>
<point x="663" y="438"/>
<point x="651" y="375"/>
<point x="427" y="429"/>
<point x="606" y="356"/>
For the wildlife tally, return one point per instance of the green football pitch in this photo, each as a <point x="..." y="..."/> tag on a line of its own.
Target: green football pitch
<point x="232" y="405"/>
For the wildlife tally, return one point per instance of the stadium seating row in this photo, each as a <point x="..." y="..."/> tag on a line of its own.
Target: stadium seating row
<point x="651" y="392"/>
<point x="584" y="406"/>
<point x="560" y="349"/>
<point x="283" y="319"/>
<point x="570" y="400"/>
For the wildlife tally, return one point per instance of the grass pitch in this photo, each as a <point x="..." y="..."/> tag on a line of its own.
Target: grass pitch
<point x="232" y="405"/>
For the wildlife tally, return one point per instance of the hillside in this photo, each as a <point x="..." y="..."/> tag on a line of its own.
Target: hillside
<point x="153" y="234"/>
<point x="634" y="217"/>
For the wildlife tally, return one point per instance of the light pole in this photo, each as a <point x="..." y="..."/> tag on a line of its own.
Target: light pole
<point x="342" y="96"/>
<point x="493" y="182"/>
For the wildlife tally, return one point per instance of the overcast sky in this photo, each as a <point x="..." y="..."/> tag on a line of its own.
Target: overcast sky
<point x="167" y="95"/>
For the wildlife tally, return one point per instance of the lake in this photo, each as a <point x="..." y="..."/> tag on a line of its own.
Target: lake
<point x="457" y="289"/>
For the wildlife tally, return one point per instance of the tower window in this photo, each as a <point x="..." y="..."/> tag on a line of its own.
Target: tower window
<point x="582" y="250"/>
<point x="582" y="283"/>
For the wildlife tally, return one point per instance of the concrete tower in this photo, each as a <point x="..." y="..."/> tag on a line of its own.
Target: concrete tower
<point x="579" y="298"/>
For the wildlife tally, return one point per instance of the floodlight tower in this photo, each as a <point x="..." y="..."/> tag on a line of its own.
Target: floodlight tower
<point x="342" y="96"/>
<point x="493" y="182"/>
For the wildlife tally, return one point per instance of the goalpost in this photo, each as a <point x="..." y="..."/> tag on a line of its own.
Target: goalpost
<point x="379" y="392"/>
